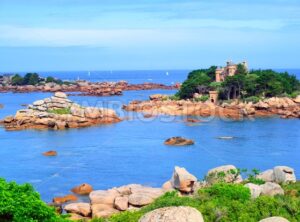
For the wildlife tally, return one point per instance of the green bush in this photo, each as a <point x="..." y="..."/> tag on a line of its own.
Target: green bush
<point x="20" y="203"/>
<point x="60" y="111"/>
<point x="203" y="98"/>
<point x="225" y="191"/>
<point x="17" y="80"/>
<point x="174" y="97"/>
<point x="253" y="99"/>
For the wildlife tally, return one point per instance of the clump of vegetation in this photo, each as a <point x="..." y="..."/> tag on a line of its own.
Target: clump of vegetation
<point x="34" y="79"/>
<point x="246" y="85"/>
<point x="197" y="82"/>
<point x="21" y="203"/>
<point x="174" y="97"/>
<point x="202" y="98"/>
<point x="253" y="99"/>
<point x="60" y="111"/>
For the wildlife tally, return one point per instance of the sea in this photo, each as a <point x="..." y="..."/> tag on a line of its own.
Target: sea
<point x="133" y="150"/>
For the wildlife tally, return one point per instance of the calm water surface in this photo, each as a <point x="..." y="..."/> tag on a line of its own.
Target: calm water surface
<point x="132" y="151"/>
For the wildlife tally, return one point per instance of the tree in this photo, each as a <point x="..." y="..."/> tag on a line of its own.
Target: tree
<point x="17" y="80"/>
<point x="190" y="86"/>
<point x="31" y="79"/>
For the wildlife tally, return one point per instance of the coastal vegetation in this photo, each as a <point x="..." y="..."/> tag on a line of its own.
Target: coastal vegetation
<point x="33" y="79"/>
<point x="60" y="111"/>
<point x="223" y="202"/>
<point x="19" y="203"/>
<point x="250" y="86"/>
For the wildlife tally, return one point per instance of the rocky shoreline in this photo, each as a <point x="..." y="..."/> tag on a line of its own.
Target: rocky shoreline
<point x="132" y="197"/>
<point x="86" y="88"/>
<point x="283" y="107"/>
<point x="58" y="113"/>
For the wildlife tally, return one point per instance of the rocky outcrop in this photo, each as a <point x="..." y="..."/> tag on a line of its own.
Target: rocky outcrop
<point x="283" y="107"/>
<point x="64" y="199"/>
<point x="178" y="141"/>
<point x="271" y="189"/>
<point x="279" y="174"/>
<point x="50" y="153"/>
<point x="83" y="189"/>
<point x="183" y="180"/>
<point x="132" y="197"/>
<point x="227" y="173"/>
<point x="83" y="209"/>
<point x="255" y="190"/>
<point x="58" y="113"/>
<point x="173" y="214"/>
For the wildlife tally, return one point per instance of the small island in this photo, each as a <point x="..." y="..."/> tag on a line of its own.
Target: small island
<point x="229" y="92"/>
<point x="58" y="113"/>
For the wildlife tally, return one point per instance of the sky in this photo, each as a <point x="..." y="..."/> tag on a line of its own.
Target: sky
<point x="71" y="35"/>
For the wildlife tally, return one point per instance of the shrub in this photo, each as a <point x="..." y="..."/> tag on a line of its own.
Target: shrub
<point x="17" y="80"/>
<point x="21" y="203"/>
<point x="174" y="97"/>
<point x="60" y="111"/>
<point x="253" y="99"/>
<point x="202" y="98"/>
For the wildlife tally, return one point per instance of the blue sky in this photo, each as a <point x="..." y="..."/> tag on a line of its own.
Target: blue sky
<point x="53" y="35"/>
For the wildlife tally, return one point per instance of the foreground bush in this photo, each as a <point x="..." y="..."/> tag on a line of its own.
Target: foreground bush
<point x="224" y="203"/>
<point x="20" y="203"/>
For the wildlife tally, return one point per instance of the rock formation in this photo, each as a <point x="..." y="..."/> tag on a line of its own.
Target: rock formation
<point x="178" y="141"/>
<point x="105" y="203"/>
<point x="173" y="214"/>
<point x="284" y="107"/>
<point x="58" y="113"/>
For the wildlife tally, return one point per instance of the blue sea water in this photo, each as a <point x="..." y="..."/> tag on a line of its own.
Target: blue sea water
<point x="132" y="151"/>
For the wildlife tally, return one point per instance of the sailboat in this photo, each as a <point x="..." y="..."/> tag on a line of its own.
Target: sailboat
<point x="167" y="73"/>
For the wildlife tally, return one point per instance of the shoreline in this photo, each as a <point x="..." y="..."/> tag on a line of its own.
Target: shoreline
<point x="236" y="110"/>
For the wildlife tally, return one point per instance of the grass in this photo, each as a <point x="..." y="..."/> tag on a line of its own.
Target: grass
<point x="60" y="111"/>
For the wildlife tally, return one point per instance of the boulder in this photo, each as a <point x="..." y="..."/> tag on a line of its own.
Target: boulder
<point x="104" y="196"/>
<point x="103" y="210"/>
<point x="178" y="141"/>
<point x="77" y="217"/>
<point x="274" y="219"/>
<point x="271" y="189"/>
<point x="284" y="174"/>
<point x="83" y="189"/>
<point x="255" y="190"/>
<point x="158" y="97"/>
<point x="8" y="119"/>
<point x="121" y="203"/>
<point x="92" y="112"/>
<point x="83" y="209"/>
<point x="173" y="214"/>
<point x="61" y="95"/>
<point x="64" y="199"/>
<point x="183" y="180"/>
<point x="50" y="153"/>
<point x="167" y="186"/>
<point x="38" y="103"/>
<point x="226" y="173"/>
<point x="297" y="99"/>
<point x="267" y="176"/>
<point x="141" y="196"/>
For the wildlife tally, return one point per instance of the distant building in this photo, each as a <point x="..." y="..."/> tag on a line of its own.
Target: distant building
<point x="229" y="70"/>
